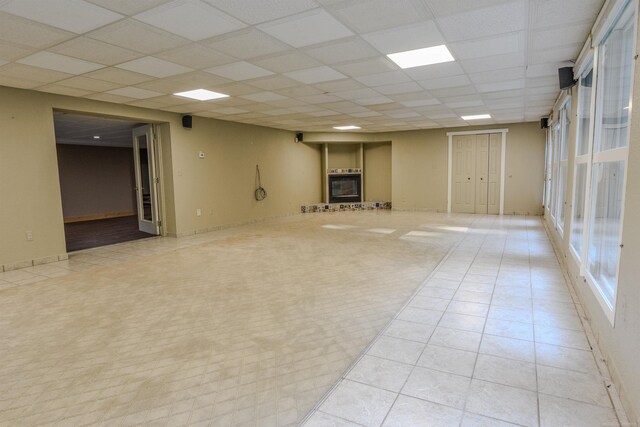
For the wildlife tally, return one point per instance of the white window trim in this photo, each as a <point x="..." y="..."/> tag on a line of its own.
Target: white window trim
<point x="503" y="158"/>
<point x="590" y="61"/>
<point x="609" y="309"/>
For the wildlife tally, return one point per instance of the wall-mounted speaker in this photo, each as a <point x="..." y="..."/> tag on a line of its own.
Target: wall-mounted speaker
<point x="565" y="76"/>
<point x="187" y="121"/>
<point x="299" y="137"/>
<point x="544" y="123"/>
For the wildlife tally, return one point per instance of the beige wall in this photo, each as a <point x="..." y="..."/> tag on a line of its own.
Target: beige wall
<point x="377" y="172"/>
<point x="620" y="344"/>
<point x="420" y="168"/>
<point x="95" y="180"/>
<point x="344" y="156"/>
<point x="221" y="185"/>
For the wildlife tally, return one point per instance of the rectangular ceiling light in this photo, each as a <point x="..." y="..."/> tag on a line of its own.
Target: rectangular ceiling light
<point x="476" y="117"/>
<point x="201" y="94"/>
<point x="349" y="127"/>
<point x="420" y="57"/>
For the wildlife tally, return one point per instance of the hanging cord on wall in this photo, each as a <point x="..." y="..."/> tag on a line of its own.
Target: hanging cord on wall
<point x="260" y="193"/>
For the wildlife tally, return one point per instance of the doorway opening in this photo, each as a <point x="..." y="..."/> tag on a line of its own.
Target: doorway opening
<point x="109" y="179"/>
<point x="476" y="171"/>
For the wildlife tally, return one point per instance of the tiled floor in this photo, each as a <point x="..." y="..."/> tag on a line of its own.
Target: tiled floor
<point x="492" y="338"/>
<point x="253" y="325"/>
<point x="246" y="326"/>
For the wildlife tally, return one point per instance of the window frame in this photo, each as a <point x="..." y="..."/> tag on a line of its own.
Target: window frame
<point x="606" y="156"/>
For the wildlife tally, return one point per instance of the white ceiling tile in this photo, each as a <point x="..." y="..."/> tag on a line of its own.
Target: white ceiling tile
<point x="509" y="43"/>
<point x="76" y="16"/>
<point x="496" y="62"/>
<point x="454" y="91"/>
<point x="444" y="7"/>
<point x="154" y="67"/>
<point x="498" y="19"/>
<point x="33" y="74"/>
<point x="62" y="63"/>
<point x="288" y="61"/>
<point x="28" y="33"/>
<point x="445" y="82"/>
<point x="549" y="13"/>
<point x="420" y="102"/>
<point x="239" y="71"/>
<point x="88" y="84"/>
<point x="399" y="88"/>
<point x="364" y="16"/>
<point x="117" y="75"/>
<point x="319" y="99"/>
<point x="368" y="67"/>
<point x="134" y="92"/>
<point x="344" y="50"/>
<point x="556" y="37"/>
<point x="264" y="97"/>
<point x="128" y="7"/>
<point x="551" y="80"/>
<point x="542" y="70"/>
<point x="195" y="56"/>
<point x="64" y="90"/>
<point x="497" y="75"/>
<point x="254" y="12"/>
<point x="376" y="100"/>
<point x="503" y="94"/>
<point x="497" y="86"/>
<point x="323" y="113"/>
<point x="274" y="82"/>
<point x="563" y="54"/>
<point x="185" y="82"/>
<point x="357" y="94"/>
<point x="392" y="77"/>
<point x="95" y="51"/>
<point x="339" y="85"/>
<point x="138" y="36"/>
<point x="424" y="34"/>
<point x="248" y="43"/>
<point x="434" y="71"/>
<point x="402" y="114"/>
<point x="364" y="114"/>
<point x="315" y="75"/>
<point x="191" y="19"/>
<point x="304" y="29"/>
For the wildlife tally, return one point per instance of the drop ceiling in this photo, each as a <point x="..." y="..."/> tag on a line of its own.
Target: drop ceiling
<point x="78" y="129"/>
<point x="300" y="64"/>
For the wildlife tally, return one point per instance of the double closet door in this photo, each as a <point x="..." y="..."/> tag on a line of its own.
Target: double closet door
<point x="476" y="173"/>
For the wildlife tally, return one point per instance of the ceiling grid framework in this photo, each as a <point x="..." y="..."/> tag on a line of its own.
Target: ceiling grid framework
<point x="300" y="64"/>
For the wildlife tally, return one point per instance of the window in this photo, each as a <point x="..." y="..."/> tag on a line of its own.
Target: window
<point x="583" y="151"/>
<point x="563" y="162"/>
<point x="609" y="157"/>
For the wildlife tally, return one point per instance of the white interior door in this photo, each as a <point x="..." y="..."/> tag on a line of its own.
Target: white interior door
<point x="464" y="173"/>
<point x="146" y="171"/>
<point x="495" y="166"/>
<point x="482" y="173"/>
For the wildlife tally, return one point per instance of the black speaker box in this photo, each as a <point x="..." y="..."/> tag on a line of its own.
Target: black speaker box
<point x="187" y="121"/>
<point x="565" y="76"/>
<point x="299" y="137"/>
<point x="544" y="123"/>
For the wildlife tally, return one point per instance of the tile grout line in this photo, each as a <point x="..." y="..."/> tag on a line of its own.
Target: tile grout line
<point x="381" y="333"/>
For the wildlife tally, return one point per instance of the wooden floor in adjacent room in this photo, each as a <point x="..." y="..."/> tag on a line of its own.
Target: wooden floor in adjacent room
<point x="102" y="232"/>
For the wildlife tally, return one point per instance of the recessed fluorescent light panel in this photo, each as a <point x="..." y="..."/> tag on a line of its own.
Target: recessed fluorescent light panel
<point x="201" y="94"/>
<point x="349" y="127"/>
<point x="476" y="117"/>
<point x="420" y="57"/>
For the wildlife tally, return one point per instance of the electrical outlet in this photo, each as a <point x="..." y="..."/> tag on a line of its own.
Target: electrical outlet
<point x="29" y="235"/>
<point x="198" y="212"/>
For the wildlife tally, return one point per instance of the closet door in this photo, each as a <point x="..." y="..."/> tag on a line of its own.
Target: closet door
<point x="464" y="173"/>
<point x="482" y="173"/>
<point x="493" y="197"/>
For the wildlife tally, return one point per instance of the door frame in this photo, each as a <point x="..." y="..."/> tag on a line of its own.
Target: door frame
<point x="503" y="156"/>
<point x="153" y="157"/>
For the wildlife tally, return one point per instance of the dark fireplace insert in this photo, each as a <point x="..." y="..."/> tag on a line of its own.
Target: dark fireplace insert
<point x="345" y="188"/>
